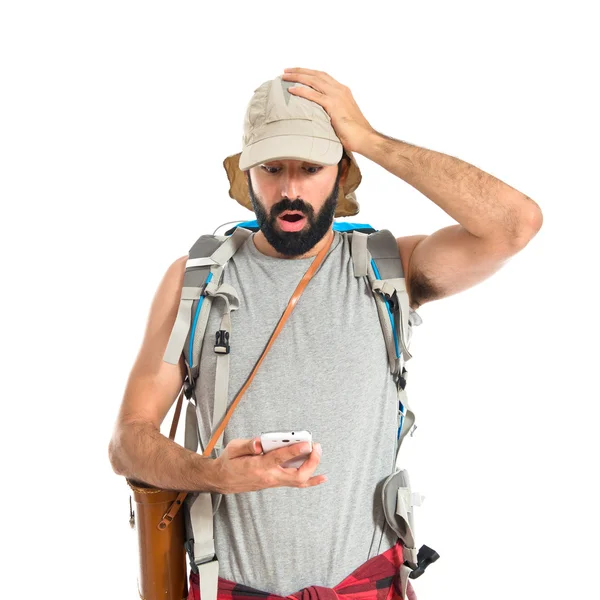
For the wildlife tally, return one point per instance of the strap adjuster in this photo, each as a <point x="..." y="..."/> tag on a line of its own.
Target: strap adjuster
<point x="401" y="379"/>
<point x="205" y="560"/>
<point x="402" y="382"/>
<point x="425" y="557"/>
<point x="195" y="563"/>
<point x="222" y="342"/>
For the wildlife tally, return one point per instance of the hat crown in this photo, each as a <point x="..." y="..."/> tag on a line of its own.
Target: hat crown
<point x="273" y="102"/>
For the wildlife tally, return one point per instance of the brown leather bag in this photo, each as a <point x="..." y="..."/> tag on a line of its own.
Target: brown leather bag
<point x="157" y="518"/>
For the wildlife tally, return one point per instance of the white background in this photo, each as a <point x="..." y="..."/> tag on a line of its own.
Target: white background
<point x="115" y="120"/>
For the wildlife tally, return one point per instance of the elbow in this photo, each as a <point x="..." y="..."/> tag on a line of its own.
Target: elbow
<point x="535" y="218"/>
<point x="115" y="453"/>
<point x="529" y="224"/>
<point x="113" y="457"/>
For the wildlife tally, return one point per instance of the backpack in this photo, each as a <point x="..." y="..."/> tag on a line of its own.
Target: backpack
<point x="375" y="256"/>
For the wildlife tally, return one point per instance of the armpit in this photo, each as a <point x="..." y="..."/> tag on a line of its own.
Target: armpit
<point x="421" y="290"/>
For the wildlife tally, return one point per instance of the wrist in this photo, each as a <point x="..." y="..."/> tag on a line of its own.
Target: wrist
<point x="393" y="155"/>
<point x="368" y="143"/>
<point x="208" y="474"/>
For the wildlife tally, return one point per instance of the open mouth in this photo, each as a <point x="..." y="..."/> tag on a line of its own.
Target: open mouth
<point x="292" y="220"/>
<point x="292" y="217"/>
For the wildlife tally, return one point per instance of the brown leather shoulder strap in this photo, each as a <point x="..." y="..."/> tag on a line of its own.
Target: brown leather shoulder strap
<point x="170" y="514"/>
<point x="176" y="415"/>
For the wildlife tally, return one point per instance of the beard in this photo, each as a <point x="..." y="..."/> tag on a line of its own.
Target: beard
<point x="295" y="243"/>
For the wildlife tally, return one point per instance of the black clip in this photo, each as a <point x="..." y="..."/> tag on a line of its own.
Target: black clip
<point x="189" y="548"/>
<point x="222" y="342"/>
<point x="401" y="380"/>
<point x="425" y="557"/>
<point x="188" y="389"/>
<point x="392" y="300"/>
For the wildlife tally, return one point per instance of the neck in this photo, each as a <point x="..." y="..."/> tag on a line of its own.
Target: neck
<point x="263" y="246"/>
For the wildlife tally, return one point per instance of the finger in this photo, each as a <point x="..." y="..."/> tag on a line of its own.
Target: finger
<point x="281" y="455"/>
<point x="322" y="75"/>
<point x="305" y="78"/>
<point x="301" y="70"/>
<point x="256" y="445"/>
<point x="316" y="480"/>
<point x="311" y="463"/>
<point x="310" y="94"/>
<point x="314" y="81"/>
<point x="290" y="476"/>
<point x="307" y="72"/>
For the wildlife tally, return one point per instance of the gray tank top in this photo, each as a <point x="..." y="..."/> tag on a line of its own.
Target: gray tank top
<point x="326" y="372"/>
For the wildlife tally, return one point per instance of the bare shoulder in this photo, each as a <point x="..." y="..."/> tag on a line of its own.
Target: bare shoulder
<point x="172" y="281"/>
<point x="153" y="384"/>
<point x="165" y="303"/>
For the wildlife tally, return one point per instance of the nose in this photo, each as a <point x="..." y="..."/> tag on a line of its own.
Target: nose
<point x="290" y="186"/>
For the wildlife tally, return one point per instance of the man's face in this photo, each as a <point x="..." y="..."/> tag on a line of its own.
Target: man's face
<point x="307" y="189"/>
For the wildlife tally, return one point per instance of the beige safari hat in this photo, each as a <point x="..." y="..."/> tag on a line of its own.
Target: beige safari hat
<point x="279" y="125"/>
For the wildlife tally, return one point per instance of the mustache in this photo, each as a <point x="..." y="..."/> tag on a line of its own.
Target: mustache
<point x="293" y="205"/>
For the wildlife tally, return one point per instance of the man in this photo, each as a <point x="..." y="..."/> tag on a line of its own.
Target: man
<point x="328" y="370"/>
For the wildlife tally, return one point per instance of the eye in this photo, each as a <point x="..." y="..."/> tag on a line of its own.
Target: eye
<point x="276" y="169"/>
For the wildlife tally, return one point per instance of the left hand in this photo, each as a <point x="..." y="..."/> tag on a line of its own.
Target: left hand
<point x="347" y="120"/>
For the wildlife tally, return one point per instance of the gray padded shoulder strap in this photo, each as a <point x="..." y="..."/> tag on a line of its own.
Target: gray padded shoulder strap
<point x="208" y="254"/>
<point x="383" y="247"/>
<point x="386" y="278"/>
<point x="193" y="279"/>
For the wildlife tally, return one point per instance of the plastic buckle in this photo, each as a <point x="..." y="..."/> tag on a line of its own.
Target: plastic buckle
<point x="425" y="557"/>
<point x="222" y="342"/>
<point x="393" y="301"/>
<point x="194" y="564"/>
<point x="205" y="560"/>
<point x="188" y="390"/>
<point x="189" y="548"/>
<point x="402" y="382"/>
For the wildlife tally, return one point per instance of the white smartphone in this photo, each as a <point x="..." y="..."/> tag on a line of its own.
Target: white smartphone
<point x="271" y="440"/>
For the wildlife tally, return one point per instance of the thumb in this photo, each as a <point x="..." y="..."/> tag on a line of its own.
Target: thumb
<point x="243" y="447"/>
<point x="254" y="446"/>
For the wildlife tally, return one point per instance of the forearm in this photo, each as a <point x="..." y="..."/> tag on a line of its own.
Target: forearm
<point x="140" y="452"/>
<point x="481" y="203"/>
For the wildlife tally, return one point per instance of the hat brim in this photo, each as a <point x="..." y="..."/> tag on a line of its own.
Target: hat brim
<point x="291" y="147"/>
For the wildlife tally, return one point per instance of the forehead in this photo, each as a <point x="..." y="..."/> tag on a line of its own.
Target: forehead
<point x="290" y="162"/>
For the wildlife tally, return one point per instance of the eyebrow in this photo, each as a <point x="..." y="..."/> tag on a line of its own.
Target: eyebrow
<point x="304" y="162"/>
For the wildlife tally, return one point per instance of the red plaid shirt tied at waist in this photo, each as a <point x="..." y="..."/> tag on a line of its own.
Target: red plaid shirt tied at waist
<point x="377" y="579"/>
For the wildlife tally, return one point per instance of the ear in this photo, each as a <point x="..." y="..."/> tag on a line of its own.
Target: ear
<point x="345" y="170"/>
